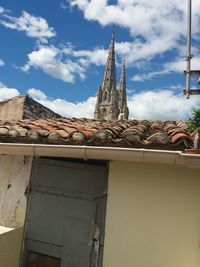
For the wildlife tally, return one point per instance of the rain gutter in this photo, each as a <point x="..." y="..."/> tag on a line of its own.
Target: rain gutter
<point x="102" y="153"/>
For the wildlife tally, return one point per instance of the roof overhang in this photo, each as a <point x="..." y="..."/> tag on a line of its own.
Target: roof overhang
<point x="102" y="153"/>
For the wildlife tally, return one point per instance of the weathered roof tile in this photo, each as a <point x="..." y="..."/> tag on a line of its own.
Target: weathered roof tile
<point x="159" y="138"/>
<point x="133" y="133"/>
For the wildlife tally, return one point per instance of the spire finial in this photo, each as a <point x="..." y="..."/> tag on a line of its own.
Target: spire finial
<point x="122" y="92"/>
<point x="113" y="35"/>
<point x="113" y="30"/>
<point x="113" y="38"/>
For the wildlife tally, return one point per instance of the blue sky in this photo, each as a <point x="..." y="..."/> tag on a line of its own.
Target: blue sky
<point x="56" y="51"/>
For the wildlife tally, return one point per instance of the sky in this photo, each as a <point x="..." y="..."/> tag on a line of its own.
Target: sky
<point x="55" y="51"/>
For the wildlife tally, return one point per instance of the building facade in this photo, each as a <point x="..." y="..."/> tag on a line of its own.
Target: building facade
<point x="98" y="202"/>
<point x="111" y="102"/>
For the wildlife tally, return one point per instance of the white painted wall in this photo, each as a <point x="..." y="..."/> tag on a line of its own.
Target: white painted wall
<point x="14" y="177"/>
<point x="10" y="247"/>
<point x="153" y="216"/>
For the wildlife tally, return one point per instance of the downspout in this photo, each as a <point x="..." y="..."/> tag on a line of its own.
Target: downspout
<point x="102" y="153"/>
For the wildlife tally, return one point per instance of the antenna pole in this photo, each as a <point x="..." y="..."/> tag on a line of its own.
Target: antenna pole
<point x="189" y="56"/>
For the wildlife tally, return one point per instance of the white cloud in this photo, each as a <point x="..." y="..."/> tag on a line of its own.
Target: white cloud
<point x="65" y="108"/>
<point x="2" y="10"/>
<point x="6" y="92"/>
<point x="161" y="105"/>
<point x="2" y="63"/>
<point x="178" y="66"/>
<point x="97" y="56"/>
<point x="139" y="50"/>
<point x="141" y="17"/>
<point x="35" y="27"/>
<point x="65" y="63"/>
<point x="152" y="105"/>
<point x="156" y="26"/>
<point x="37" y="94"/>
<point x="51" y="61"/>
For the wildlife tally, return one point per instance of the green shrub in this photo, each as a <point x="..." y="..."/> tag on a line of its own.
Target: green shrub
<point x="194" y="122"/>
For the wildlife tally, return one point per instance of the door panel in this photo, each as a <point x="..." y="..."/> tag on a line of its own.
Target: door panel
<point x="78" y="242"/>
<point x="46" y="222"/>
<point x="67" y="203"/>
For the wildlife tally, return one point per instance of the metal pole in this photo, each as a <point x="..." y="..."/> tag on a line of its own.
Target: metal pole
<point x="189" y="56"/>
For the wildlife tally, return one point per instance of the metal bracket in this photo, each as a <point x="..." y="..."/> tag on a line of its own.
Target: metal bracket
<point x="192" y="92"/>
<point x="193" y="72"/>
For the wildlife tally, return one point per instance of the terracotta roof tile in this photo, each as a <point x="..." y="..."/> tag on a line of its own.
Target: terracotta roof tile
<point x="179" y="136"/>
<point x="169" y="135"/>
<point x="159" y="138"/>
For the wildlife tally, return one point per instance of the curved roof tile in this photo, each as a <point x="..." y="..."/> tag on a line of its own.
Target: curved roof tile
<point x="168" y="135"/>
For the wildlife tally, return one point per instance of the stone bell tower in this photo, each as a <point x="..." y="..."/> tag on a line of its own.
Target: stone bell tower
<point x="110" y="101"/>
<point x="107" y="95"/>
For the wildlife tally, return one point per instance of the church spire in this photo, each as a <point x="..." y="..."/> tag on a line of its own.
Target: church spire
<point x="107" y="97"/>
<point x="122" y="93"/>
<point x="109" y="81"/>
<point x="110" y="101"/>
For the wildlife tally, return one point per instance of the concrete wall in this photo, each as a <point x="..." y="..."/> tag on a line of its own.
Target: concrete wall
<point x="153" y="216"/>
<point x="10" y="247"/>
<point x="14" y="178"/>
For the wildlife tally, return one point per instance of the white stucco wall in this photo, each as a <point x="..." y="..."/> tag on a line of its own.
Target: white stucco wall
<point x="10" y="247"/>
<point x="14" y="177"/>
<point x="153" y="216"/>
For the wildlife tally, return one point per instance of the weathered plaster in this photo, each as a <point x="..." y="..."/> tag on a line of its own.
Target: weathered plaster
<point x="15" y="174"/>
<point x="12" y="109"/>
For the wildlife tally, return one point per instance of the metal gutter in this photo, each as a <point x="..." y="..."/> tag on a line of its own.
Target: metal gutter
<point x="102" y="153"/>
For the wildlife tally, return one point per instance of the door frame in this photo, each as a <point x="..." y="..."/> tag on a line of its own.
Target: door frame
<point x="101" y="198"/>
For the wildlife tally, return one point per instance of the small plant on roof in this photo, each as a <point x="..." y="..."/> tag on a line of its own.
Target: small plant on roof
<point x="194" y="126"/>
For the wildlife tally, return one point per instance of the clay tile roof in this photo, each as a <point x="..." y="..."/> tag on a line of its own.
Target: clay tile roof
<point x="168" y="135"/>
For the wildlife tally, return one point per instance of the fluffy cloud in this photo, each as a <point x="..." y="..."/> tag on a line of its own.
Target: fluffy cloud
<point x="6" y="92"/>
<point x="163" y="105"/>
<point x="177" y="66"/>
<point x="2" y="63"/>
<point x="51" y="61"/>
<point x="64" y="107"/>
<point x="169" y="105"/>
<point x="85" y="57"/>
<point x="35" y="27"/>
<point x="138" y="50"/>
<point x="156" y="26"/>
<point x="2" y="10"/>
<point x="141" y="17"/>
<point x="65" y="63"/>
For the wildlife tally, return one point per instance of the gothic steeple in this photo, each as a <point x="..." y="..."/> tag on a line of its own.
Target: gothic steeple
<point x="109" y="80"/>
<point x="110" y="101"/>
<point x="122" y="93"/>
<point x="107" y="104"/>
